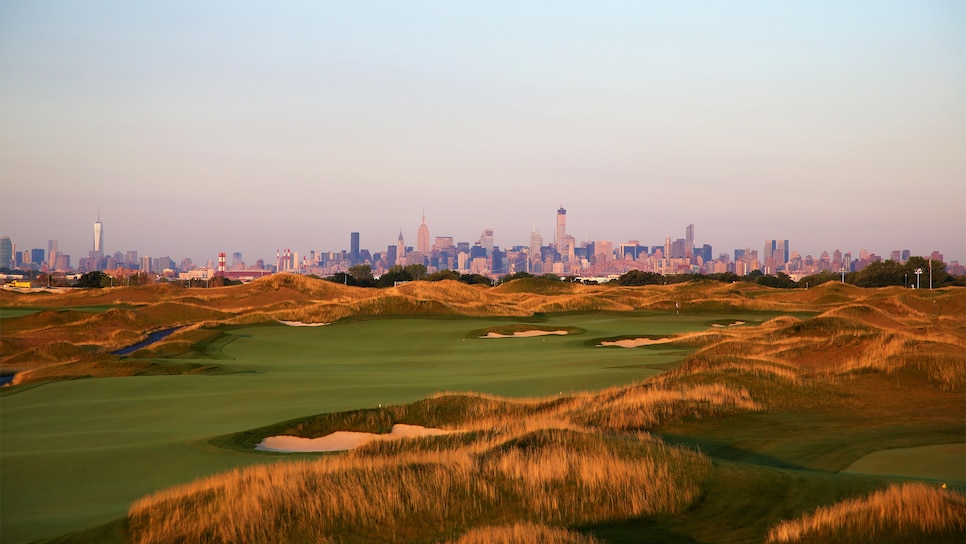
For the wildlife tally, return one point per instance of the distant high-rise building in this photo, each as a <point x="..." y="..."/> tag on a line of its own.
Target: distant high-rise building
<point x="705" y="253"/>
<point x="400" y="249"/>
<point x="422" y="237"/>
<point x="52" y="251"/>
<point x="6" y="253"/>
<point x="536" y="242"/>
<point x="37" y="256"/>
<point x="62" y="262"/>
<point x="689" y="241"/>
<point x="775" y="255"/>
<point x="98" y="236"/>
<point x="354" y="247"/>
<point x="236" y="261"/>
<point x="486" y="240"/>
<point x="560" y="237"/>
<point x="905" y="255"/>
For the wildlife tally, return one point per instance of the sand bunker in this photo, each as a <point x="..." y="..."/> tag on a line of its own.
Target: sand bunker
<point x="522" y="334"/>
<point x="301" y="324"/>
<point x="343" y="440"/>
<point x="735" y="324"/>
<point x="634" y="342"/>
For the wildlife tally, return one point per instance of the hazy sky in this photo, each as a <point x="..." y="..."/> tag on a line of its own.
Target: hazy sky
<point x="199" y="127"/>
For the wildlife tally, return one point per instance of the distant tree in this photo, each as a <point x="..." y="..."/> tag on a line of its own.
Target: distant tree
<point x="222" y="281"/>
<point x="754" y="275"/>
<point x="940" y="277"/>
<point x="780" y="281"/>
<point x="724" y="277"/>
<point x="362" y="274"/>
<point x="639" y="277"/>
<point x="818" y="279"/>
<point x="475" y="279"/>
<point x="516" y="276"/>
<point x="93" y="280"/>
<point x="417" y="271"/>
<point x="682" y="278"/>
<point x="881" y="274"/>
<point x="549" y="276"/>
<point x="342" y="277"/>
<point x="141" y="278"/>
<point x="393" y="275"/>
<point x="443" y="275"/>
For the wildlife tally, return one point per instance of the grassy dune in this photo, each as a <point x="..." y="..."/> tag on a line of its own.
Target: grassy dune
<point x="743" y="441"/>
<point x="901" y="513"/>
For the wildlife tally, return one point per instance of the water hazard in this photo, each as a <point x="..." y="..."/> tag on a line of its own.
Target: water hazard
<point x="152" y="338"/>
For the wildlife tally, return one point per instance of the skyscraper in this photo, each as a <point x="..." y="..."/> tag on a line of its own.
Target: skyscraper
<point x="775" y="255"/>
<point x="354" y="247"/>
<point x="400" y="249"/>
<point x="6" y="252"/>
<point x="689" y="241"/>
<point x="486" y="241"/>
<point x="52" y="251"/>
<point x="560" y="237"/>
<point x="98" y="236"/>
<point x="422" y="237"/>
<point x="536" y="241"/>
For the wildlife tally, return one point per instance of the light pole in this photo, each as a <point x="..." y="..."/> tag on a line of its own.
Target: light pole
<point x="918" y="273"/>
<point x="842" y="270"/>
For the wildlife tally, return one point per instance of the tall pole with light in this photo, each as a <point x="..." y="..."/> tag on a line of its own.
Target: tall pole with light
<point x="918" y="273"/>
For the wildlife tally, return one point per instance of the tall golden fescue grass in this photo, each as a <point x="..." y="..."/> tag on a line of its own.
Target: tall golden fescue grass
<point x="645" y="406"/>
<point x="523" y="533"/>
<point x="568" y="476"/>
<point x="909" y="510"/>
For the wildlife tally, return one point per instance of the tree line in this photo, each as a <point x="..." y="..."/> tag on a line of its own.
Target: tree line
<point x="877" y="274"/>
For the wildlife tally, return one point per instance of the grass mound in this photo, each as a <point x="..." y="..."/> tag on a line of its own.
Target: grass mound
<point x="566" y="476"/>
<point x="913" y="512"/>
<point x="540" y="286"/>
<point x="523" y="533"/>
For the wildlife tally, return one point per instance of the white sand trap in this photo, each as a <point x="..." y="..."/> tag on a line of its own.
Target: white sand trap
<point x="343" y="440"/>
<point x="301" y="324"/>
<point x="634" y="342"/>
<point x="735" y="324"/>
<point x="523" y="334"/>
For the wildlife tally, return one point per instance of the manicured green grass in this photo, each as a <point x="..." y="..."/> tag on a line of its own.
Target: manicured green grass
<point x="16" y="312"/>
<point x="6" y="312"/>
<point x="76" y="453"/>
<point x="943" y="462"/>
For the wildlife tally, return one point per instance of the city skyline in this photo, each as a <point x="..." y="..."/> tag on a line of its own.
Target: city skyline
<point x="196" y="129"/>
<point x="776" y="255"/>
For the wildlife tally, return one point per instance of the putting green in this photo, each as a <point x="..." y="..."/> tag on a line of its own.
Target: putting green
<point x="76" y="453"/>
<point x="938" y="462"/>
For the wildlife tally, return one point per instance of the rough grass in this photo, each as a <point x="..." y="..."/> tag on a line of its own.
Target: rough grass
<point x="795" y="392"/>
<point x="564" y="477"/>
<point x="523" y="533"/>
<point x="912" y="512"/>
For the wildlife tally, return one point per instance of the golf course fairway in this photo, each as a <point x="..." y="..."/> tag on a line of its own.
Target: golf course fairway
<point x="76" y="453"/>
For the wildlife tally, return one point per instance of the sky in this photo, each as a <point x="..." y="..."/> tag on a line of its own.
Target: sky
<point x="198" y="127"/>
